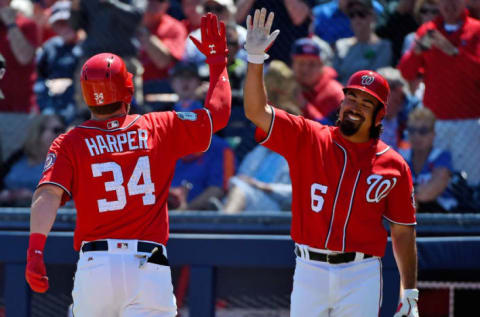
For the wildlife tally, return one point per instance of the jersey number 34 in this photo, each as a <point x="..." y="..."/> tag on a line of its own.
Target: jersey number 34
<point x="142" y="168"/>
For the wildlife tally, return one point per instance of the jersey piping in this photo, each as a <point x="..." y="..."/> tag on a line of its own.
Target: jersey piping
<point x="400" y="223"/>
<point x="57" y="184"/>
<point x="337" y="193"/>
<point x="349" y="211"/>
<point x="112" y="130"/>
<point x="383" y="151"/>
<point x="211" y="128"/>
<point x="271" y="126"/>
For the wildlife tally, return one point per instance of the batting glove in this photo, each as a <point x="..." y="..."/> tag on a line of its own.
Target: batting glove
<point x="408" y="305"/>
<point x="35" y="273"/>
<point x="259" y="38"/>
<point x="214" y="42"/>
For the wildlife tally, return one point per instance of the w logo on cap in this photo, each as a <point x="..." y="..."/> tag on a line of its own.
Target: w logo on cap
<point x="367" y="80"/>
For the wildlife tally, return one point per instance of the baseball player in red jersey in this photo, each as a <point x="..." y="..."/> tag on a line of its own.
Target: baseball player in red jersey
<point x="344" y="182"/>
<point x="118" y="168"/>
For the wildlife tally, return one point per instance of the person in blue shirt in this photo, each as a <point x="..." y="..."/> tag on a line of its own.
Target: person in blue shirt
<point x="200" y="179"/>
<point x="330" y="20"/>
<point x="431" y="167"/>
<point x="56" y="62"/>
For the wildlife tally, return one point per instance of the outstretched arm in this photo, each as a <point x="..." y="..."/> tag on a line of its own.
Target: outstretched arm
<point x="214" y="47"/>
<point x="259" y="40"/>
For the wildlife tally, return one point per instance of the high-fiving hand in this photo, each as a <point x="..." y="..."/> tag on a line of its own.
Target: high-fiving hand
<point x="259" y="38"/>
<point x="214" y="42"/>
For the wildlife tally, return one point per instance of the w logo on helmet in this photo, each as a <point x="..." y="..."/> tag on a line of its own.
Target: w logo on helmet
<point x="367" y="80"/>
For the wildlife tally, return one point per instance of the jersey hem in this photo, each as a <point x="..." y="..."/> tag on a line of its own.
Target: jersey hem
<point x="271" y="127"/>
<point x="401" y="223"/>
<point x="57" y="184"/>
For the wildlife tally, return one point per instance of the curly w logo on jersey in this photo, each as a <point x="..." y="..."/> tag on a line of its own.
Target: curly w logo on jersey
<point x="379" y="187"/>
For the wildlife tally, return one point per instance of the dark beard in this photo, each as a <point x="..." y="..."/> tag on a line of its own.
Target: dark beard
<point x="348" y="128"/>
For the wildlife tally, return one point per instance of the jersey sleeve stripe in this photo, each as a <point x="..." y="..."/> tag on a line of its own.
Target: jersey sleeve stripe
<point x="211" y="129"/>
<point x="271" y="126"/>
<point x="57" y="184"/>
<point x="401" y="223"/>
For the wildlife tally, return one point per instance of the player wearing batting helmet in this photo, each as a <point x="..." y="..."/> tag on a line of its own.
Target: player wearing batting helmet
<point x="118" y="168"/>
<point x="344" y="182"/>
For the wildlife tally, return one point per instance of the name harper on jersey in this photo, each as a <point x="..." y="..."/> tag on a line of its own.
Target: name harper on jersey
<point x="108" y="143"/>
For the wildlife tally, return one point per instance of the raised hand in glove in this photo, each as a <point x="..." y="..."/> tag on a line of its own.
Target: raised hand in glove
<point x="259" y="38"/>
<point x="35" y="273"/>
<point x="408" y="305"/>
<point x="214" y="42"/>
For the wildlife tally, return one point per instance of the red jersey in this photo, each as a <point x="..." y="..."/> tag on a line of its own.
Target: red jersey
<point x="118" y="171"/>
<point x="340" y="190"/>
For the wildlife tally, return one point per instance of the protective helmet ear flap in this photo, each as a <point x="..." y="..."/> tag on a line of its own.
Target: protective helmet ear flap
<point x="128" y="89"/>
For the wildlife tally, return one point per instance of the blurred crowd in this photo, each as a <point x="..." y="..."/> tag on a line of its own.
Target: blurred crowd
<point x="428" y="50"/>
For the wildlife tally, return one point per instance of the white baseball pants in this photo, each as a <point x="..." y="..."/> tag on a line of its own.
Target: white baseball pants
<point x="321" y="289"/>
<point x="119" y="283"/>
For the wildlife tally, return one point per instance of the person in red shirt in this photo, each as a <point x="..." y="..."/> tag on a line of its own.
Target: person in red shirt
<point x="118" y="168"/>
<point x="447" y="52"/>
<point x="321" y="92"/>
<point x="345" y="181"/>
<point x="192" y="9"/>
<point x="162" y="39"/>
<point x="19" y="39"/>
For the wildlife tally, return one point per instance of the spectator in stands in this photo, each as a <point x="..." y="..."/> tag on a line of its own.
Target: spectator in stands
<point x="193" y="11"/>
<point x="399" y="22"/>
<point x="24" y="168"/>
<point x="424" y="11"/>
<point x="447" y="49"/>
<point x="110" y="26"/>
<point x="330" y="20"/>
<point x="41" y="13"/>
<point x="400" y="103"/>
<point x="19" y="39"/>
<point x="162" y="40"/>
<point x="57" y="61"/>
<point x="293" y="18"/>
<point x="201" y="179"/>
<point x="365" y="50"/>
<point x="263" y="180"/>
<point x="321" y="93"/>
<point x="225" y="11"/>
<point x="262" y="183"/>
<point x="185" y="81"/>
<point x="240" y="131"/>
<point x="431" y="167"/>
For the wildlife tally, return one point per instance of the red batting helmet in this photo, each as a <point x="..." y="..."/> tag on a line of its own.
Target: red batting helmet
<point x="105" y="80"/>
<point x="373" y="84"/>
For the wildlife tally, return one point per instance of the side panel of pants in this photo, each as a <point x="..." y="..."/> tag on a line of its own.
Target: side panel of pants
<point x="311" y="290"/>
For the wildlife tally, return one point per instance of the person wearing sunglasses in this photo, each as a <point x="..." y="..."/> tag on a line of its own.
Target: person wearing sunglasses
<point x="365" y="50"/>
<point x="431" y="167"/>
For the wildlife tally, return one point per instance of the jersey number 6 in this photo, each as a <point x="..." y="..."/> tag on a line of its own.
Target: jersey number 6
<point x="317" y="200"/>
<point x="134" y="188"/>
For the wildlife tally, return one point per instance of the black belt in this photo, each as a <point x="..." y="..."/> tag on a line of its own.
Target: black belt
<point x="147" y="247"/>
<point x="333" y="258"/>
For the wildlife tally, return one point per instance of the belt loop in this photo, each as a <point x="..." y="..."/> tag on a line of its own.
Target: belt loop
<point x="358" y="256"/>
<point x="307" y="254"/>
